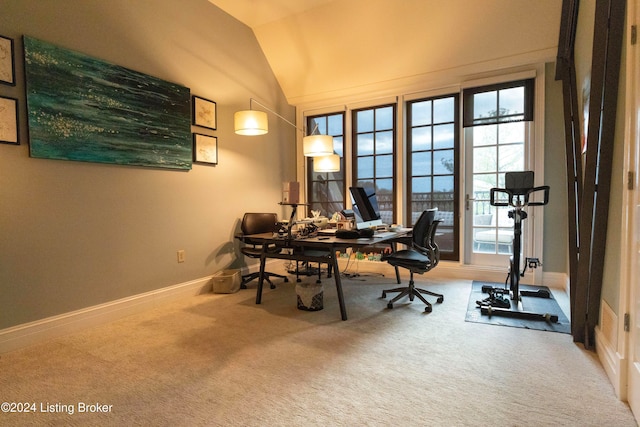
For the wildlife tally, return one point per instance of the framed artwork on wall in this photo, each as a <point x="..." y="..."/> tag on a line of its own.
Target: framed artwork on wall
<point x="7" y="66"/>
<point x="9" y="120"/>
<point x="205" y="149"/>
<point x="82" y="108"/>
<point x="204" y="112"/>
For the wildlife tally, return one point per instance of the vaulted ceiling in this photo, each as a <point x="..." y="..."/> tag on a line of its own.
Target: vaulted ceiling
<point x="326" y="48"/>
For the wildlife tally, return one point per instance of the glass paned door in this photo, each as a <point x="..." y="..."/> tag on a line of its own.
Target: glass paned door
<point x="498" y="119"/>
<point x="492" y="150"/>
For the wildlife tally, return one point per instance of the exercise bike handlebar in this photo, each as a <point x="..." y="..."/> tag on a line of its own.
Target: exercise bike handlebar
<point x="515" y="195"/>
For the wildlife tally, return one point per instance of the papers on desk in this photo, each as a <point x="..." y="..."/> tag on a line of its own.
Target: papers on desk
<point x="386" y="234"/>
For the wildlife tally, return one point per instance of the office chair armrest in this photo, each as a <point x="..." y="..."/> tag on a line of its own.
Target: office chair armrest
<point x="423" y="250"/>
<point x="406" y="240"/>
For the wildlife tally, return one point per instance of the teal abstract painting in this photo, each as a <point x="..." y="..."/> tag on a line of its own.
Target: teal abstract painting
<point x="85" y="109"/>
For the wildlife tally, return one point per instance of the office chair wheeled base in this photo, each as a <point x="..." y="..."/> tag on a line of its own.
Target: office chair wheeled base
<point x="411" y="291"/>
<point x="267" y="277"/>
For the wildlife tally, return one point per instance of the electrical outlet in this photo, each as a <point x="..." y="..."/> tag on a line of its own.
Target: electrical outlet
<point x="181" y="255"/>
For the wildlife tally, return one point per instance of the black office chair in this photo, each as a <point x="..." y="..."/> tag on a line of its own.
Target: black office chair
<point x="256" y="223"/>
<point x="423" y="255"/>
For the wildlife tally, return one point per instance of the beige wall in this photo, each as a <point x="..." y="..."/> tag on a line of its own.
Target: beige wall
<point x="554" y="255"/>
<point x="73" y="235"/>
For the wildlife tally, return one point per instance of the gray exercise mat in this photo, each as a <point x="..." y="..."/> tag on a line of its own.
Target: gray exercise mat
<point x="529" y="304"/>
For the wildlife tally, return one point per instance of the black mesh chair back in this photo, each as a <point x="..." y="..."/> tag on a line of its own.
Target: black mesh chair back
<point x="257" y="223"/>
<point x="422" y="228"/>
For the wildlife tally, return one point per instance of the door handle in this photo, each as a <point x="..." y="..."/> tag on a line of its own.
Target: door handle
<point x="467" y="200"/>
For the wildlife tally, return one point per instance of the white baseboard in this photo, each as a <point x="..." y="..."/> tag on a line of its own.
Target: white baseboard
<point x="444" y="270"/>
<point x="42" y="330"/>
<point x="31" y="333"/>
<point x="455" y="270"/>
<point x="614" y="365"/>
<point x="556" y="281"/>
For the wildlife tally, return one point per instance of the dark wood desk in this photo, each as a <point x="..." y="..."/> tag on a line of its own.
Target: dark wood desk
<point x="320" y="249"/>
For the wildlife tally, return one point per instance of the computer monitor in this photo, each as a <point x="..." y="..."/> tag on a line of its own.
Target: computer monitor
<point x="365" y="207"/>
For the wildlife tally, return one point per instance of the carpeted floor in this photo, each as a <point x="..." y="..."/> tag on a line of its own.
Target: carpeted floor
<point x="222" y="360"/>
<point x="528" y="304"/>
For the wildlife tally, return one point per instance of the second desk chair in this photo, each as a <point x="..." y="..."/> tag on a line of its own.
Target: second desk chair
<point x="256" y="223"/>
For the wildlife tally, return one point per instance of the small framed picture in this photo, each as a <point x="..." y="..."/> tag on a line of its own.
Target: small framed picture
<point x="205" y="149"/>
<point x="204" y="112"/>
<point x="7" y="66"/>
<point x="9" y="120"/>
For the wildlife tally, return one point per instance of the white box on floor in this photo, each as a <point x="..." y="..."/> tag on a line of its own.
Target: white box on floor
<point x="226" y="281"/>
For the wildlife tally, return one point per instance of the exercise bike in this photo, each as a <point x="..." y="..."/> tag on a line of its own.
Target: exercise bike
<point x="518" y="190"/>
